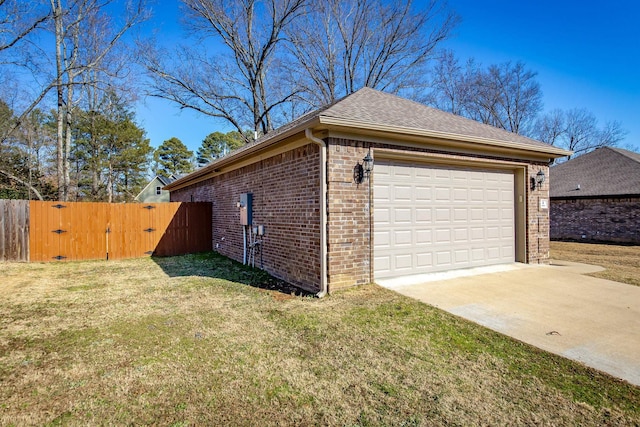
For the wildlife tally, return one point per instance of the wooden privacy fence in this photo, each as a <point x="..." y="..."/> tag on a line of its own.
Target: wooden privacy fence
<point x="79" y="230"/>
<point x="14" y="230"/>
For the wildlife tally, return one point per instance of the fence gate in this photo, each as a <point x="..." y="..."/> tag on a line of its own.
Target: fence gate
<point x="79" y="230"/>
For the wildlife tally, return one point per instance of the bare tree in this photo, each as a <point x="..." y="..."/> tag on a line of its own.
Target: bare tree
<point x="452" y="85"/>
<point x="18" y="19"/>
<point x="84" y="36"/>
<point x="504" y="95"/>
<point x="241" y="87"/>
<point x="577" y="130"/>
<point x="344" y="45"/>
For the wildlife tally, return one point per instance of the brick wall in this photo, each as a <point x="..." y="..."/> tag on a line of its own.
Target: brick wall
<point x="605" y="220"/>
<point x="349" y="213"/>
<point x="286" y="200"/>
<point x="348" y="217"/>
<point x="537" y="218"/>
<point x="286" y="197"/>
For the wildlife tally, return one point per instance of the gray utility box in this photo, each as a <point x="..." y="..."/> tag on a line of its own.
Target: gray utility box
<point x="246" y="209"/>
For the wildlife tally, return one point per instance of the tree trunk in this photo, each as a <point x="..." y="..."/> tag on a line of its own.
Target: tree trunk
<point x="57" y="19"/>
<point x="67" y="141"/>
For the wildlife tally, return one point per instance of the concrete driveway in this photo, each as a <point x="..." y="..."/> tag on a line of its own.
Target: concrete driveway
<point x="554" y="307"/>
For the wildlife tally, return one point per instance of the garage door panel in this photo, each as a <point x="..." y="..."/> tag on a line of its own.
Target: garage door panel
<point x="403" y="237"/>
<point x="422" y="194"/>
<point x="403" y="262"/>
<point x="461" y="256"/>
<point x="443" y="259"/>
<point x="443" y="235"/>
<point x="402" y="193"/>
<point x="402" y="216"/>
<point x="383" y="215"/>
<point x="443" y="215"/>
<point x="460" y="215"/>
<point x="382" y="238"/>
<point x="424" y="260"/>
<point x="424" y="237"/>
<point x="431" y="218"/>
<point x="443" y="194"/>
<point x="460" y="235"/>
<point x="423" y="215"/>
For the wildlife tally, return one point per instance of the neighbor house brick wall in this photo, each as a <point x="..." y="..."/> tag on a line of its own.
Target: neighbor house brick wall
<point x="537" y="217"/>
<point x="286" y="200"/>
<point x="614" y="219"/>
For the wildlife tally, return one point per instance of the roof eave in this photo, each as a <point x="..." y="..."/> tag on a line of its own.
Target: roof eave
<point x="551" y="151"/>
<point x="239" y="154"/>
<point x="328" y="121"/>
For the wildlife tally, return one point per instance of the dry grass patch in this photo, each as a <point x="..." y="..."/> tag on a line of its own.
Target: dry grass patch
<point x="622" y="263"/>
<point x="185" y="341"/>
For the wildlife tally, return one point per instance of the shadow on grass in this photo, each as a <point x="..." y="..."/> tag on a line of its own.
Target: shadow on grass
<point x="212" y="264"/>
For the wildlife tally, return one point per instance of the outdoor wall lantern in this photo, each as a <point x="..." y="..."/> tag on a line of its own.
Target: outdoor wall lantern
<point x="538" y="180"/>
<point x="362" y="171"/>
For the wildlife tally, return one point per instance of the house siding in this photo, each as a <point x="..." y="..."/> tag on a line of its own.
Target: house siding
<point x="286" y="200"/>
<point x="606" y="219"/>
<point x="148" y="195"/>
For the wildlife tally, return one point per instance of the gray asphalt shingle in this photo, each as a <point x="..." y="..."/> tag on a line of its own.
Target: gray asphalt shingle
<point x="606" y="171"/>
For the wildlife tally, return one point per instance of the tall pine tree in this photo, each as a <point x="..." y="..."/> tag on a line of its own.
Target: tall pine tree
<point x="173" y="158"/>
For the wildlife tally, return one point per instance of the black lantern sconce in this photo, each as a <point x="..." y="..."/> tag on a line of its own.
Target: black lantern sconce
<point x="537" y="180"/>
<point x="362" y="171"/>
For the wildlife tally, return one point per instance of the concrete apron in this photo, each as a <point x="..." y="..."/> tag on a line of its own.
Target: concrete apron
<point x="553" y="307"/>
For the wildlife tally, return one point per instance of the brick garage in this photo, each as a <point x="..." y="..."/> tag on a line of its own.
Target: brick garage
<point x="320" y="222"/>
<point x="596" y="197"/>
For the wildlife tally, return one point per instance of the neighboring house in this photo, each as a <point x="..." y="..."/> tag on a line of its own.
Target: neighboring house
<point x="154" y="191"/>
<point x="445" y="193"/>
<point x="596" y="197"/>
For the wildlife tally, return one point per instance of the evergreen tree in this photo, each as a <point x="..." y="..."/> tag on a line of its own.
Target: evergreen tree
<point x="110" y="153"/>
<point x="216" y="145"/>
<point x="173" y="158"/>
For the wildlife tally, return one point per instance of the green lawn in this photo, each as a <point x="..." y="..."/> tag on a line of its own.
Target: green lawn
<point x="200" y="340"/>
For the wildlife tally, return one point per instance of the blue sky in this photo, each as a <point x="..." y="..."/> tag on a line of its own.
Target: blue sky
<point x="586" y="54"/>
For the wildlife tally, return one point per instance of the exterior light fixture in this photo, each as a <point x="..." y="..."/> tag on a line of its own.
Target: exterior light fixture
<point x="538" y="180"/>
<point x="363" y="170"/>
<point x="367" y="164"/>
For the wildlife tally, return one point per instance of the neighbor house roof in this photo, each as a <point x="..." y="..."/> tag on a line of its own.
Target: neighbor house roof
<point x="164" y="180"/>
<point x="372" y="110"/>
<point x="605" y="171"/>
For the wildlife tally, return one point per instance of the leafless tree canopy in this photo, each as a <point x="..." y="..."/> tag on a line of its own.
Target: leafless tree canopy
<point x="577" y="130"/>
<point x="343" y="45"/>
<point x="244" y="85"/>
<point x="505" y="95"/>
<point x="293" y="55"/>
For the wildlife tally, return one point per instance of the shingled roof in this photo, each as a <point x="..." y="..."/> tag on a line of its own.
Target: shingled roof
<point x="603" y="172"/>
<point x="371" y="110"/>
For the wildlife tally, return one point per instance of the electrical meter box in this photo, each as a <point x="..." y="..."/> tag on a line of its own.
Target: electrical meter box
<point x="246" y="208"/>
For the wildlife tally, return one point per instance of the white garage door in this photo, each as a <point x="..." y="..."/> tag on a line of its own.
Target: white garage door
<point x="431" y="218"/>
